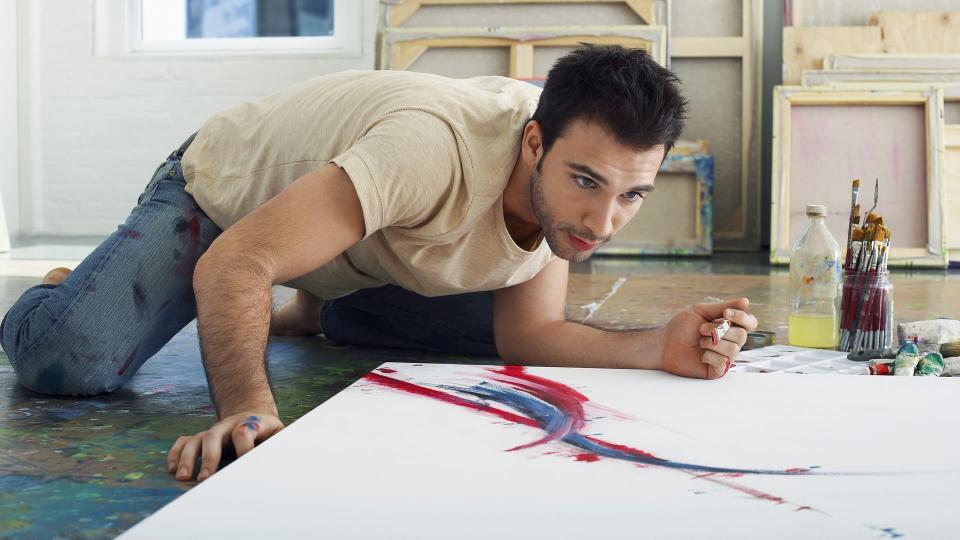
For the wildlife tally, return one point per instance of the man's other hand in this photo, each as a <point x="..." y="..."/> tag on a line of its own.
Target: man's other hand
<point x="243" y="431"/>
<point x="688" y="348"/>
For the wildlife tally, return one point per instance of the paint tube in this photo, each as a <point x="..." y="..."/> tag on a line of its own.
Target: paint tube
<point x="907" y="359"/>
<point x="882" y="366"/>
<point x="720" y="330"/>
<point x="931" y="365"/>
<point x="951" y="367"/>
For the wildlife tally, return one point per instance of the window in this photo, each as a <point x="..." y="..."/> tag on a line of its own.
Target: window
<point x="328" y="27"/>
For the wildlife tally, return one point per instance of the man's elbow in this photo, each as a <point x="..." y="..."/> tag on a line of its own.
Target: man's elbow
<point x="522" y="344"/>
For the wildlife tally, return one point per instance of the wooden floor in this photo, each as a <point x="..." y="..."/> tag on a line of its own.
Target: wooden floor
<point x="91" y="468"/>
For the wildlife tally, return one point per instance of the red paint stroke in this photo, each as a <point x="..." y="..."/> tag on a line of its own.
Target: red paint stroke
<point x="386" y="370"/>
<point x="622" y="448"/>
<point x="128" y="361"/>
<point x="567" y="399"/>
<point x="411" y="388"/>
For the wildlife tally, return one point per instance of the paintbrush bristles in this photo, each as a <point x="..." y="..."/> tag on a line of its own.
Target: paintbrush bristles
<point x="856" y="183"/>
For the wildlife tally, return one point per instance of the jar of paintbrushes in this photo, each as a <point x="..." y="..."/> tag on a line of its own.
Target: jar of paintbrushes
<point x="866" y="307"/>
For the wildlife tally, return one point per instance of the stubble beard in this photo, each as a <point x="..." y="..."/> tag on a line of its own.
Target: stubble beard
<point x="554" y="233"/>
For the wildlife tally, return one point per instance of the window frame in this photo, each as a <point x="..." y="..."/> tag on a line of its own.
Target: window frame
<point x="118" y="32"/>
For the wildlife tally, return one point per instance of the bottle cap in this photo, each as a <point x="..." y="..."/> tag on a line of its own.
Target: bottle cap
<point x="816" y="210"/>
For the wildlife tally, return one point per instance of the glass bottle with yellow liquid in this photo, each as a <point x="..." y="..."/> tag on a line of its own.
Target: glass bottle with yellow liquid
<point x="815" y="284"/>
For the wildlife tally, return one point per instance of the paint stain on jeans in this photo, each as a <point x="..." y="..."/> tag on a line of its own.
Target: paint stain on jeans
<point x="129" y="233"/>
<point x="189" y="224"/>
<point x="128" y="361"/>
<point x="50" y="380"/>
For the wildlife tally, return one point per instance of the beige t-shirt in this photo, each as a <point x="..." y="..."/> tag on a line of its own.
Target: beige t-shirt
<point x="429" y="158"/>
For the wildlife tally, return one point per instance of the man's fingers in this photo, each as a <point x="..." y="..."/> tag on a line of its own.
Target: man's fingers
<point x="245" y="434"/>
<point x="173" y="456"/>
<point x="725" y="348"/>
<point x="741" y="318"/>
<point x="714" y="360"/>
<point x="187" y="458"/>
<point x="212" y="449"/>
<point x="736" y="335"/>
<point x="715" y="311"/>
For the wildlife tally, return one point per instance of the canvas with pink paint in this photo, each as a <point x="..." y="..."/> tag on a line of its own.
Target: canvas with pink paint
<point x="441" y="451"/>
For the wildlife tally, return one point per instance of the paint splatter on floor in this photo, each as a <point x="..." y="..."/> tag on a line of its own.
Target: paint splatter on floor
<point x="101" y="461"/>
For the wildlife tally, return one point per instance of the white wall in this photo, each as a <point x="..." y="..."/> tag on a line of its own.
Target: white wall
<point x="9" y="171"/>
<point x="95" y="128"/>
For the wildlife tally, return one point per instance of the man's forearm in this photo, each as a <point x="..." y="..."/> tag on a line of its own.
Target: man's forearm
<point x="571" y="344"/>
<point x="233" y="319"/>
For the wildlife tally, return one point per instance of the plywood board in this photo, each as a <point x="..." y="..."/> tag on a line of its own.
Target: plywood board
<point x="401" y="47"/>
<point x="893" y="62"/>
<point x="952" y="189"/>
<point x="804" y="48"/>
<point x="918" y="32"/>
<point x="824" y="138"/>
<point x="852" y="13"/>
<point x="480" y="452"/>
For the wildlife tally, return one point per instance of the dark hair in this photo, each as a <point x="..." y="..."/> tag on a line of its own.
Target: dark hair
<point x="638" y="100"/>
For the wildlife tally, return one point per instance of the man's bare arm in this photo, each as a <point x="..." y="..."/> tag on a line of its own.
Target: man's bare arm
<point x="310" y="222"/>
<point x="531" y="329"/>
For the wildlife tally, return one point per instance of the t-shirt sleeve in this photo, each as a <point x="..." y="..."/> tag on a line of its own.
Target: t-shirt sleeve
<point x="403" y="169"/>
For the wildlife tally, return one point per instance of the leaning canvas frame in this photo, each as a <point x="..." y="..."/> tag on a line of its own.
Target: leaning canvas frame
<point x="687" y="157"/>
<point x="401" y="47"/>
<point x="892" y="62"/>
<point x="739" y="227"/>
<point x="949" y="80"/>
<point x="934" y="253"/>
<point x="651" y="11"/>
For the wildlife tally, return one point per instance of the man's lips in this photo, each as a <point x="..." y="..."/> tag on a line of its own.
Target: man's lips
<point x="581" y="244"/>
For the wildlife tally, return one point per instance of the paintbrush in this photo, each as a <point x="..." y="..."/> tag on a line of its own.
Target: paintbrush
<point x="950" y="349"/>
<point x="854" y="217"/>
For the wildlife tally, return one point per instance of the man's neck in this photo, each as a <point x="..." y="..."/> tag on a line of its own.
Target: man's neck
<point x="518" y="213"/>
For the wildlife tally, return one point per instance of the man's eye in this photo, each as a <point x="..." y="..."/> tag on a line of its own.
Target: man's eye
<point x="584" y="182"/>
<point x="633" y="196"/>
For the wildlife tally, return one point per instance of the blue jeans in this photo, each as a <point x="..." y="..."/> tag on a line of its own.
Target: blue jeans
<point x="134" y="292"/>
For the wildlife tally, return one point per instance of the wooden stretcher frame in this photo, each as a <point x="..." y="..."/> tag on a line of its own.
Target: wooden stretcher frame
<point x="401" y="47"/>
<point x="399" y="11"/>
<point x="691" y="157"/>
<point x="952" y="194"/>
<point x="865" y="79"/>
<point x="934" y="254"/>
<point x="748" y="47"/>
<point x="892" y="62"/>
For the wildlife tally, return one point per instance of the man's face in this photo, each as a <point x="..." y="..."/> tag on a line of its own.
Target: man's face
<point x="588" y="187"/>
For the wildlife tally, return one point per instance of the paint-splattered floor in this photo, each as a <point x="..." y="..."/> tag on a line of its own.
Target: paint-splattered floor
<point x="91" y="468"/>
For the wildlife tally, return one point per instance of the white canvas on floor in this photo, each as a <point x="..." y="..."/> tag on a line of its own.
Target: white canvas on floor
<point x="441" y="451"/>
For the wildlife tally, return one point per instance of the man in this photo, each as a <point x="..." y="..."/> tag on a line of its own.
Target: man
<point x="394" y="202"/>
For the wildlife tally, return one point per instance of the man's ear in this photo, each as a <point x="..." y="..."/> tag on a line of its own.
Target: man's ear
<point x="532" y="145"/>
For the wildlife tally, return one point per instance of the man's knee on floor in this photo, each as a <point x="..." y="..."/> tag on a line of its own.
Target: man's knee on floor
<point x="56" y="365"/>
<point x="63" y="375"/>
